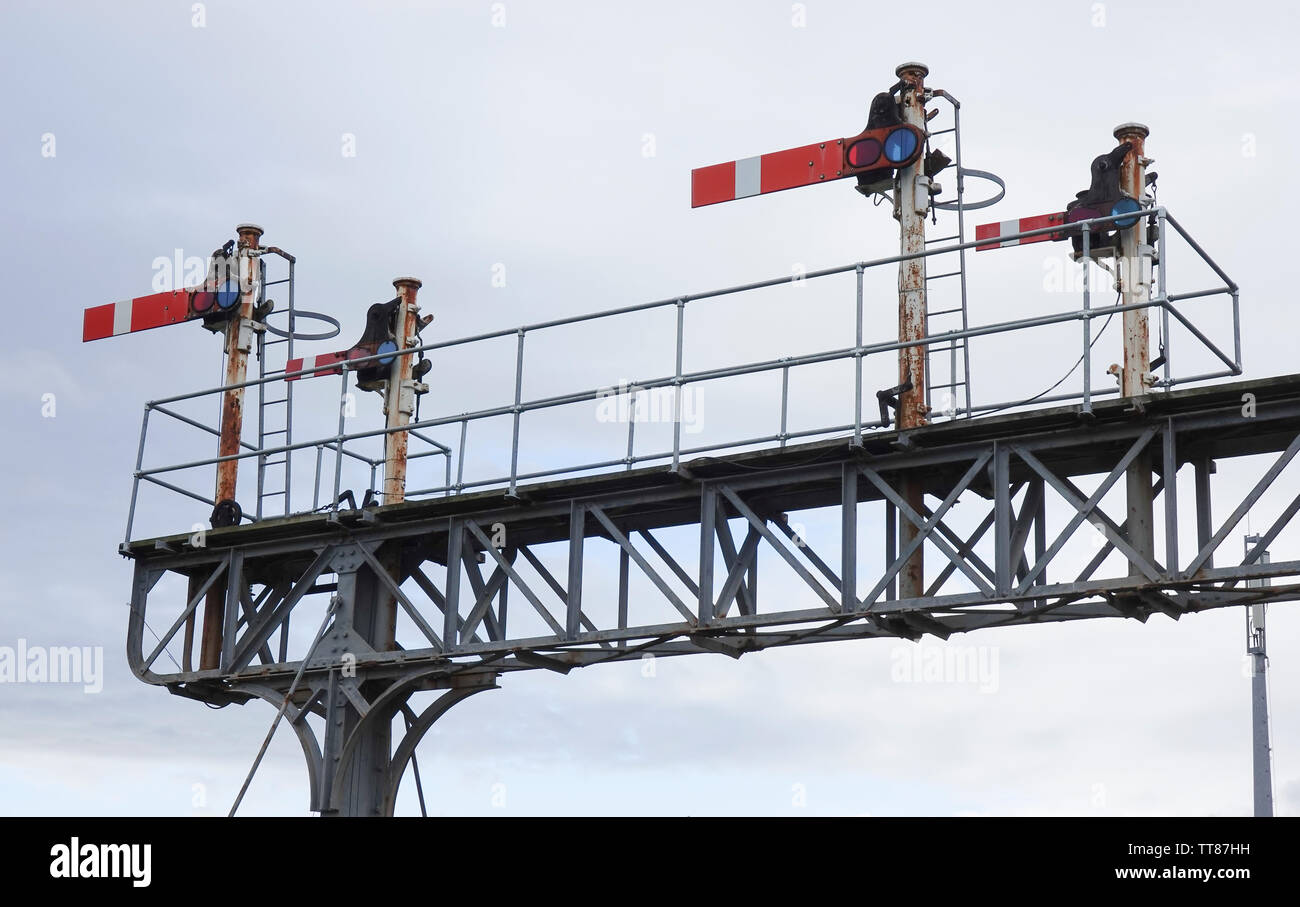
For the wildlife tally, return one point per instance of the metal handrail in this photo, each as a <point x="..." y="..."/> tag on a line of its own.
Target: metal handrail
<point x="680" y="379"/>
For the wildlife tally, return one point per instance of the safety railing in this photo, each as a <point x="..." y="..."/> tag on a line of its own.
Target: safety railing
<point x="343" y="443"/>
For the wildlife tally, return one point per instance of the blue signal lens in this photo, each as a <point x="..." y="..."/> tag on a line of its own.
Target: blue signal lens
<point x="228" y="294"/>
<point x="900" y="145"/>
<point x="864" y="153"/>
<point x="387" y="346"/>
<point x="1125" y="206"/>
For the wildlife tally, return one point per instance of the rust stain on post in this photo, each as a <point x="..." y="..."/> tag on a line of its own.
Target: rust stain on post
<point x="399" y="401"/>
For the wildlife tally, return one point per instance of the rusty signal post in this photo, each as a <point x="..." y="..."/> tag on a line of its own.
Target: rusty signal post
<point x="886" y="156"/>
<point x="231" y="301"/>
<point x="1116" y="194"/>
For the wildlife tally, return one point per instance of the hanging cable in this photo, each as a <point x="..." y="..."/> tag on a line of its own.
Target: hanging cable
<point x="1061" y="380"/>
<point x="302" y="666"/>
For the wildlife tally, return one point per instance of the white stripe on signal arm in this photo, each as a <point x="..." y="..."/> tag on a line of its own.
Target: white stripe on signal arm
<point x="1009" y="228"/>
<point x="122" y="317"/>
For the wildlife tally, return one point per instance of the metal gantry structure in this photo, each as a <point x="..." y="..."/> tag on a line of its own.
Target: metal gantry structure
<point x="345" y="616"/>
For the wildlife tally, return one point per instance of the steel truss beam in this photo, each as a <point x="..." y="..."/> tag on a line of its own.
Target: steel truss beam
<point x="704" y="594"/>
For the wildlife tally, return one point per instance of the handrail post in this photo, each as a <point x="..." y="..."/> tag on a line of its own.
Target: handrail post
<point x="338" y="440"/>
<point x="514" y="439"/>
<point x="460" y="458"/>
<point x="1162" y="292"/>
<point x="631" y="424"/>
<point x="315" y="495"/>
<point x="857" y="366"/>
<point x="135" y="477"/>
<point x="785" y="402"/>
<point x="677" y="385"/>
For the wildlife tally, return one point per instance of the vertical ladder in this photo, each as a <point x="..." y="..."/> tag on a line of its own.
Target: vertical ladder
<point x="954" y="392"/>
<point x="274" y="412"/>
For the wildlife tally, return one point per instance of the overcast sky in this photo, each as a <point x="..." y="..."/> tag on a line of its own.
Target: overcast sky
<point x="551" y="143"/>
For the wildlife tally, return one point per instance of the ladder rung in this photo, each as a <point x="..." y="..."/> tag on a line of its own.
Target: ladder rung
<point x="940" y="276"/>
<point x="269" y="402"/>
<point x="942" y="312"/>
<point x="271" y="283"/>
<point x="274" y="342"/>
<point x="943" y="349"/>
<point x="272" y="494"/>
<point x="951" y="384"/>
<point x="941" y="239"/>
<point x="273" y="463"/>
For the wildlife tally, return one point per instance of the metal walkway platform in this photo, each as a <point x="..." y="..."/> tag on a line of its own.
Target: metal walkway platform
<point x="710" y="600"/>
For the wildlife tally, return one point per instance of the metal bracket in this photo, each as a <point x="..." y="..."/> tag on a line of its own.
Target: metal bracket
<point x="889" y="399"/>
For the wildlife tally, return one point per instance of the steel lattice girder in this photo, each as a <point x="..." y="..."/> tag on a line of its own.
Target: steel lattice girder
<point x="721" y="612"/>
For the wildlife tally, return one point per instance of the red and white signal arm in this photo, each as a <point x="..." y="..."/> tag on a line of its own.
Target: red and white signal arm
<point x="318" y="362"/>
<point x="995" y="232"/>
<point x="157" y="310"/>
<point x="885" y="148"/>
<point x="322" y="363"/>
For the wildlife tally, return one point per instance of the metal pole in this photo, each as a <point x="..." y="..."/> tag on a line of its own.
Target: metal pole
<point x="677" y="387"/>
<point x="912" y="202"/>
<point x="399" y="398"/>
<point x="338" y="439"/>
<point x="261" y="419"/>
<point x="460" y="458"/>
<point x="315" y="498"/>
<point x="785" y="401"/>
<point x="1262" y="757"/>
<point x="135" y="479"/>
<point x="631" y="425"/>
<point x="1134" y="274"/>
<point x="1135" y="268"/>
<point x="857" y="367"/>
<point x="517" y="410"/>
<point x="288" y="404"/>
<point x="961" y="254"/>
<point x="239" y="341"/>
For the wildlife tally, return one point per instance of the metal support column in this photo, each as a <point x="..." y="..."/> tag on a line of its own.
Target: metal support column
<point x="357" y="744"/>
<point x="1203" y="468"/>
<point x="239" y="342"/>
<point x="399" y="398"/>
<point x="1134" y="273"/>
<point x="1261" y="753"/>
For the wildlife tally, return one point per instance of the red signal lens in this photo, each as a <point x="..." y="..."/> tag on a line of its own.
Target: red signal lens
<point x="864" y="153"/>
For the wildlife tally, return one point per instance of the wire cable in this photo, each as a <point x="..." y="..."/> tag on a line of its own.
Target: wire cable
<point x="165" y="648"/>
<point x="1061" y="380"/>
<point x="311" y="651"/>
